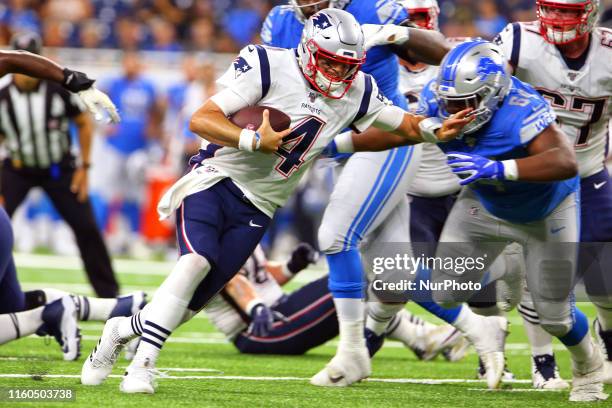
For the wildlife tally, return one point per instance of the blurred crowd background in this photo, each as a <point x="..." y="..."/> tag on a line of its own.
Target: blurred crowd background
<point x="158" y="59"/>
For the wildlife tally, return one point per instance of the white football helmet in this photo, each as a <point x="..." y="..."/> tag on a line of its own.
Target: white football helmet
<point x="564" y="21"/>
<point x="473" y="75"/>
<point x="429" y="9"/>
<point x="331" y="36"/>
<point x="318" y="6"/>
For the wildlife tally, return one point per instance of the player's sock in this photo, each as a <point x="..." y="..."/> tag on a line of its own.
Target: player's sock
<point x="380" y="314"/>
<point x="350" y="313"/>
<point x="169" y="305"/>
<point x="97" y="309"/>
<point x="604" y="315"/>
<point x="577" y="340"/>
<point x="51" y="294"/>
<point x="466" y="320"/>
<point x="21" y="324"/>
<point x="132" y="326"/>
<point x="539" y="339"/>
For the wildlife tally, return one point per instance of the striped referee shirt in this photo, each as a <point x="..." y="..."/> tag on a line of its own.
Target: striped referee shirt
<point x="35" y="124"/>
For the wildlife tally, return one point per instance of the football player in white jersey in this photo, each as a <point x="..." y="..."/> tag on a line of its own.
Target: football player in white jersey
<point x="569" y="61"/>
<point x="241" y="176"/>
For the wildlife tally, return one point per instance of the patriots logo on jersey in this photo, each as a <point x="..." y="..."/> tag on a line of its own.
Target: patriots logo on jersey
<point x="486" y="67"/>
<point x="321" y="21"/>
<point x="241" y="66"/>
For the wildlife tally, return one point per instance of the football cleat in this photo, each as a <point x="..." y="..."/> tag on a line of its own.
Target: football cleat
<point x="60" y="320"/>
<point x="129" y="304"/>
<point x="99" y="364"/>
<point x="545" y="373"/>
<point x="373" y="341"/>
<point x="139" y="378"/>
<point x="489" y="340"/>
<point x="130" y="348"/>
<point x="604" y="339"/>
<point x="347" y="367"/>
<point x="587" y="384"/>
<point x="437" y="339"/>
<point x="507" y="375"/>
<point x="458" y="350"/>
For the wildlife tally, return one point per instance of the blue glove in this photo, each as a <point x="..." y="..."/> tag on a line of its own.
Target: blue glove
<point x="302" y="256"/>
<point x="331" y="151"/>
<point x="472" y="167"/>
<point x="262" y="320"/>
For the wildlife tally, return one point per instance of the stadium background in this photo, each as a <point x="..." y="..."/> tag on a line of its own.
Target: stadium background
<point x="182" y="45"/>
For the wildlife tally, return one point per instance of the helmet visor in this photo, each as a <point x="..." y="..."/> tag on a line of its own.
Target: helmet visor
<point x="454" y="104"/>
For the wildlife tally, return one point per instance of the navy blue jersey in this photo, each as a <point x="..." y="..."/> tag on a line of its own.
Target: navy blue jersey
<point x="523" y="115"/>
<point x="282" y="29"/>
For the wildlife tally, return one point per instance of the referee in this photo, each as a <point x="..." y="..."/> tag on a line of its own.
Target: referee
<point x="34" y="123"/>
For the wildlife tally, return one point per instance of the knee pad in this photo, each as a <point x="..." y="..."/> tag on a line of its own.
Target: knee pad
<point x="557" y="329"/>
<point x="330" y="241"/>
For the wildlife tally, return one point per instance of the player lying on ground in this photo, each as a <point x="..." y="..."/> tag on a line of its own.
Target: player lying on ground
<point x="258" y="317"/>
<point x="563" y="55"/>
<point x="241" y="176"/>
<point x="59" y="317"/>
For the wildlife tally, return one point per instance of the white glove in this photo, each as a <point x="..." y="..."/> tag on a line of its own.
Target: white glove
<point x="97" y="102"/>
<point x="376" y="34"/>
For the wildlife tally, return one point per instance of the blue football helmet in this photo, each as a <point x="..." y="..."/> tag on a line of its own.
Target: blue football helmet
<point x="474" y="75"/>
<point x="298" y="6"/>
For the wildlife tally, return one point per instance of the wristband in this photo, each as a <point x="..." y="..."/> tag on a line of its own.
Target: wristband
<point x="428" y="127"/>
<point x="76" y="81"/>
<point x="247" y="136"/>
<point x="344" y="142"/>
<point x="510" y="170"/>
<point x="253" y="304"/>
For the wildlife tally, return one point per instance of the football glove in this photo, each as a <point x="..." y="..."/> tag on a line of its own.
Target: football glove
<point x="376" y="34"/>
<point x="262" y="320"/>
<point x="302" y="256"/>
<point x="472" y="167"/>
<point x="98" y="102"/>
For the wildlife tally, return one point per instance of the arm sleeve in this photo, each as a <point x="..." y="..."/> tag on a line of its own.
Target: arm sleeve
<point x="390" y="12"/>
<point x="509" y="40"/>
<point x="246" y="77"/>
<point x="372" y="104"/>
<point x="427" y="101"/>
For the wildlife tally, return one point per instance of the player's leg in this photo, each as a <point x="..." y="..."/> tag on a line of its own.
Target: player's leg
<point x="79" y="216"/>
<point x="551" y="258"/>
<point x="596" y="227"/>
<point x="311" y="321"/>
<point x="369" y="188"/>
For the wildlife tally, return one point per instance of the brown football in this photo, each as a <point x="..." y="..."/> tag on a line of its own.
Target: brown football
<point x="250" y="118"/>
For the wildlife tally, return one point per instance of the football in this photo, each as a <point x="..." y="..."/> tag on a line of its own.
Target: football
<point x="250" y="118"/>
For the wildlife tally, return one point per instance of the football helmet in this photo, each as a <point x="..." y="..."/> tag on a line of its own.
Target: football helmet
<point x="428" y="8"/>
<point x="564" y="21"/>
<point x="319" y="5"/>
<point x="331" y="37"/>
<point x="473" y="75"/>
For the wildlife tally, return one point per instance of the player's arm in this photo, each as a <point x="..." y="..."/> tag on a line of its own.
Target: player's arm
<point x="302" y="256"/>
<point x="409" y="43"/>
<point x="242" y="292"/>
<point x="79" y="184"/>
<point x="23" y="62"/>
<point x="210" y="122"/>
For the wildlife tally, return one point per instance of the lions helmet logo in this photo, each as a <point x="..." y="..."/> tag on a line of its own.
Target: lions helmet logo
<point x="321" y="21"/>
<point x="486" y="67"/>
<point x="241" y="66"/>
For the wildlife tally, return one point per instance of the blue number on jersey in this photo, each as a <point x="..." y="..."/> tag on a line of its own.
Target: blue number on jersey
<point x="297" y="143"/>
<point x="282" y="29"/>
<point x="521" y="118"/>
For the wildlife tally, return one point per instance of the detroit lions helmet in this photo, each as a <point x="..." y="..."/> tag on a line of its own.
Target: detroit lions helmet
<point x="423" y="13"/>
<point x="317" y="6"/>
<point x="331" y="36"/>
<point x="564" y="21"/>
<point x="473" y="75"/>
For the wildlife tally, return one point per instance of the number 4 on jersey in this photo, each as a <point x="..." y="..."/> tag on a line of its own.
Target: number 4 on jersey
<point x="296" y="144"/>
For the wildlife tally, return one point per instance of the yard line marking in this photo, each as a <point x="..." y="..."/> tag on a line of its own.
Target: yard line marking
<point x="422" y="381"/>
<point x="514" y="390"/>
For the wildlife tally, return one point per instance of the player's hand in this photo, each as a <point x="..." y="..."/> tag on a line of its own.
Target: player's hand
<point x="453" y="126"/>
<point x="262" y="320"/>
<point x="302" y="256"/>
<point x="98" y="102"/>
<point x="270" y="139"/>
<point x="79" y="184"/>
<point x="472" y="167"/>
<point x="376" y="34"/>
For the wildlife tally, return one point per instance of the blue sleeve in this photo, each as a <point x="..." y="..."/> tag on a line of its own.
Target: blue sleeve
<point x="267" y="29"/>
<point x="390" y="12"/>
<point x="427" y="101"/>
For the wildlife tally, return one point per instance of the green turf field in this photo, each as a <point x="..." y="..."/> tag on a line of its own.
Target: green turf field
<point x="202" y="370"/>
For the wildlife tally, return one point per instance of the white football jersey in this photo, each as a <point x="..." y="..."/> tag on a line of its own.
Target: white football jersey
<point x="434" y="177"/>
<point x="579" y="92"/>
<point x="267" y="76"/>
<point x="225" y="314"/>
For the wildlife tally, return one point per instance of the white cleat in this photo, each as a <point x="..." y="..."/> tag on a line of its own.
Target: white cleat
<point x="604" y="340"/>
<point x="130" y="348"/>
<point x="60" y="320"/>
<point x="139" y="378"/>
<point x="458" y="351"/>
<point x="545" y="373"/>
<point x="99" y="364"/>
<point x="587" y="385"/>
<point x="347" y="367"/>
<point x="489" y="340"/>
<point x="436" y="339"/>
